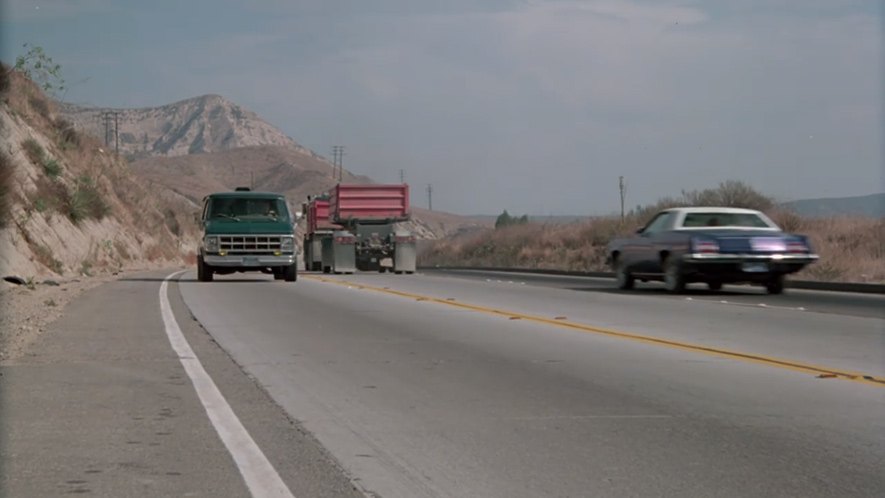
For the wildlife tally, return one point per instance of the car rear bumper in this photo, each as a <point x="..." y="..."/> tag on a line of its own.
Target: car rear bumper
<point x="702" y="258"/>
<point x="248" y="261"/>
<point x="742" y="267"/>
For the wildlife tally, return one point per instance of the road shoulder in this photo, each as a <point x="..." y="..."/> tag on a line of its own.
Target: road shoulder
<point x="100" y="404"/>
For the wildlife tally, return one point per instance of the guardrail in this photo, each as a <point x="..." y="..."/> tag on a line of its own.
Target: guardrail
<point x="858" y="287"/>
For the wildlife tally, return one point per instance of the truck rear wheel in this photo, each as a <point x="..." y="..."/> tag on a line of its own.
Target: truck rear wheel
<point x="204" y="271"/>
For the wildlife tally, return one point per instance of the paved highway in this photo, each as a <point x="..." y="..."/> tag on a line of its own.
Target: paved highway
<point x="466" y="384"/>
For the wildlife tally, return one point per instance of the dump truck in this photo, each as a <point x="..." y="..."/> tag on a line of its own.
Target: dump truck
<point x="367" y="236"/>
<point x="316" y="211"/>
<point x="246" y="231"/>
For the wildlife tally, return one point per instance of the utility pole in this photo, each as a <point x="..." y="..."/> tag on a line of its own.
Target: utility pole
<point x="622" y="187"/>
<point x="106" y="117"/>
<point x="338" y="161"/>
<point x="430" y="197"/>
<point x="402" y="176"/>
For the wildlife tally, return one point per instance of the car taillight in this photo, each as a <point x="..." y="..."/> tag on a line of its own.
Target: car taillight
<point x="796" y="247"/>
<point x="404" y="239"/>
<point x="344" y="240"/>
<point x="705" y="246"/>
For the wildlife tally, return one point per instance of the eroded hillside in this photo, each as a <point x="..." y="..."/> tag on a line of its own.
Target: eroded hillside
<point x="72" y="206"/>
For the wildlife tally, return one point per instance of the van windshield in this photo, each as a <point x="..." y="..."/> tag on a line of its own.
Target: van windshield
<point x="269" y="208"/>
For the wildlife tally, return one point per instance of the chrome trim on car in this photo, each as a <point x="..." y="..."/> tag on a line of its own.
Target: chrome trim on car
<point x="249" y="261"/>
<point x="251" y="243"/>
<point x="739" y="258"/>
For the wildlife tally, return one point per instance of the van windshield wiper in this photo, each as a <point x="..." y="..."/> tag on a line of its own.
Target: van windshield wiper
<point x="225" y="215"/>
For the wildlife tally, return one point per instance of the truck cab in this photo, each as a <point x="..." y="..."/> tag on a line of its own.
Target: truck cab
<point x="246" y="231"/>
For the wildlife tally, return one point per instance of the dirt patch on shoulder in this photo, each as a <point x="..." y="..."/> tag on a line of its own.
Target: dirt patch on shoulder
<point x="27" y="310"/>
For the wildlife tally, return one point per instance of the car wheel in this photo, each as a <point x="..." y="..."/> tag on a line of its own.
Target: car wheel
<point x="204" y="271"/>
<point x="775" y="285"/>
<point x="327" y="269"/>
<point x="714" y="285"/>
<point x="290" y="273"/>
<point x="674" y="279"/>
<point x="622" y="274"/>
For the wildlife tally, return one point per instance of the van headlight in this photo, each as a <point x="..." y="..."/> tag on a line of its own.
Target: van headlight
<point x="210" y="243"/>
<point x="287" y="244"/>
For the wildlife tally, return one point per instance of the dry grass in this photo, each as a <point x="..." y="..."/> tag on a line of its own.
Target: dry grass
<point x="7" y="172"/>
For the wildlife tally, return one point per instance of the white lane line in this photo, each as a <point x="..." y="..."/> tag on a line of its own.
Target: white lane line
<point x="748" y="305"/>
<point x="260" y="476"/>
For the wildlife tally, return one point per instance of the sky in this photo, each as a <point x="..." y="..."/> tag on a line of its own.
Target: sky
<point x="534" y="106"/>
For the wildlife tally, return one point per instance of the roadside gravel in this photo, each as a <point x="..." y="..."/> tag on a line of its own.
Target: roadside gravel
<point x="27" y="310"/>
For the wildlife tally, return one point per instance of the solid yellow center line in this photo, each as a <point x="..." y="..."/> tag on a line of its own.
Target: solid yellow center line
<point x="822" y="372"/>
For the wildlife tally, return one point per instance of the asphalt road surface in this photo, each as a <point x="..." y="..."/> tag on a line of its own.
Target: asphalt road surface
<point x="455" y="384"/>
<point x="471" y="384"/>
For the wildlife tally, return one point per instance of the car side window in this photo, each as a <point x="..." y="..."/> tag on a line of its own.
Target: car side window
<point x="658" y="224"/>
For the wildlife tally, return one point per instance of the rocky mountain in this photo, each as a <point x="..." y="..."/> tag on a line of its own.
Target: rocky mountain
<point x="209" y="123"/>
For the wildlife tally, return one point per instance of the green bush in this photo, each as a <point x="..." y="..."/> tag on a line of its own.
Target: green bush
<point x="68" y="137"/>
<point x="86" y="201"/>
<point x="504" y="220"/>
<point x="51" y="167"/>
<point x="7" y="170"/>
<point x="34" y="150"/>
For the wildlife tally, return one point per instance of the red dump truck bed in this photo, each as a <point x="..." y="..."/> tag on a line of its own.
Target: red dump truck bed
<point x="318" y="216"/>
<point x="369" y="203"/>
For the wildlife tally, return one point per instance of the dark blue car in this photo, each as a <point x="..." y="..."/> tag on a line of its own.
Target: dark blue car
<point x="714" y="245"/>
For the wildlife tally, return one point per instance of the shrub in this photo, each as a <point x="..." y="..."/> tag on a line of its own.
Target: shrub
<point x="39" y="104"/>
<point x="34" y="151"/>
<point x="86" y="201"/>
<point x="7" y="170"/>
<point x="51" y="167"/>
<point x="504" y="220"/>
<point x="68" y="136"/>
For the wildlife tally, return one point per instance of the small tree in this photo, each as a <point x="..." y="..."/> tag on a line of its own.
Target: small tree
<point x="41" y="69"/>
<point x="503" y="220"/>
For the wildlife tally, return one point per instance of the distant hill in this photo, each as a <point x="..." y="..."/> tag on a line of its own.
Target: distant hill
<point x="207" y="144"/>
<point x="866" y="205"/>
<point x="208" y="123"/>
<point x="552" y="219"/>
<point x="275" y="168"/>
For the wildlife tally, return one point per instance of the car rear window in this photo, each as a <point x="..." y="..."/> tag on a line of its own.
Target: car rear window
<point x="714" y="219"/>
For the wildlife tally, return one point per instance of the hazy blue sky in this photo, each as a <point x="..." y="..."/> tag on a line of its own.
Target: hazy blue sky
<point x="530" y="105"/>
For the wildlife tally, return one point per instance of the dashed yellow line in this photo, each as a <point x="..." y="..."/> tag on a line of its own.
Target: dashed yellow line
<point x="819" y="371"/>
